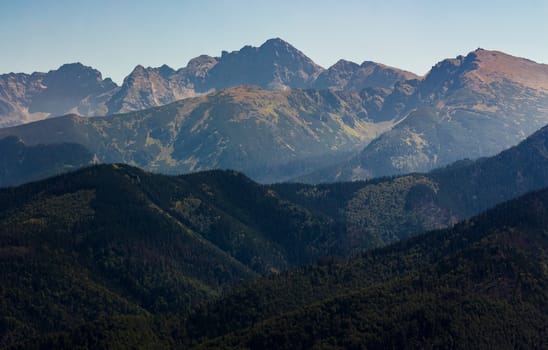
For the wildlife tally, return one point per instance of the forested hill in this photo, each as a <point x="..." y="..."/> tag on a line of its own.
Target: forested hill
<point x="112" y="239"/>
<point x="480" y="284"/>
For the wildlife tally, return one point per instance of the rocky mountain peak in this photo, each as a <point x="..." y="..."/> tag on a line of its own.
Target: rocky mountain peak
<point x="337" y="76"/>
<point x="481" y="68"/>
<point x="145" y="73"/>
<point x="165" y="71"/>
<point x="445" y="76"/>
<point x="344" y="65"/>
<point x="281" y="52"/>
<point x="75" y="72"/>
<point x="196" y="71"/>
<point x="275" y="42"/>
<point x="75" y="67"/>
<point x="65" y="88"/>
<point x="200" y="62"/>
<point x="149" y="87"/>
<point x="275" y="64"/>
<point x="346" y="75"/>
<point x="278" y="46"/>
<point x="138" y="70"/>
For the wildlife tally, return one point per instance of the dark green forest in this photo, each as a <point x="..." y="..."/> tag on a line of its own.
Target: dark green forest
<point x="112" y="239"/>
<point x="479" y="284"/>
<point x="111" y="256"/>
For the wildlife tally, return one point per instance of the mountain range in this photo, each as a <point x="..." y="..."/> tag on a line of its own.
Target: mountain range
<point x="113" y="241"/>
<point x="275" y="65"/>
<point x="364" y="121"/>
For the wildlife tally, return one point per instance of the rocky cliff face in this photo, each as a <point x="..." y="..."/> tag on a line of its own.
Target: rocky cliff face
<point x="194" y="75"/>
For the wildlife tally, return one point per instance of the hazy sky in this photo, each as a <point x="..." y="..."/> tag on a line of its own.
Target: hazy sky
<point x="116" y="35"/>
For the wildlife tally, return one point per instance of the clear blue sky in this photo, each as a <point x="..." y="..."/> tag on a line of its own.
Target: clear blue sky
<point x="116" y="35"/>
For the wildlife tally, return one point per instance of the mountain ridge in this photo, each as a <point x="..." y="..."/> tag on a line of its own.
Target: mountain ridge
<point x="273" y="65"/>
<point x="269" y="135"/>
<point x="467" y="107"/>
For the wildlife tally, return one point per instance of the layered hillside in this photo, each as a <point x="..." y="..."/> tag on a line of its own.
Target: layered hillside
<point x="371" y="213"/>
<point x="269" y="135"/>
<point x="385" y="210"/>
<point x="119" y="253"/>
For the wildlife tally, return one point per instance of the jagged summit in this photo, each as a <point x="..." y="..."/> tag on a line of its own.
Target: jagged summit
<point x="75" y="70"/>
<point x="165" y="71"/>
<point x="200" y="61"/>
<point x="274" y="65"/>
<point x="74" y="66"/>
<point x="275" y="41"/>
<point x="347" y="75"/>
